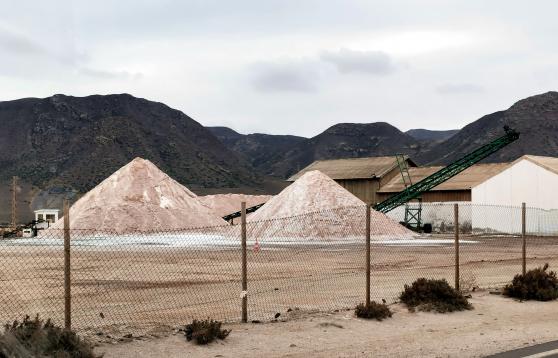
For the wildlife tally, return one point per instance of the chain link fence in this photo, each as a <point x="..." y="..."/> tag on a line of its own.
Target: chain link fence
<point x="312" y="262"/>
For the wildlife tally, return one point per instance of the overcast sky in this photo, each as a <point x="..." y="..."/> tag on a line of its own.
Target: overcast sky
<point x="287" y="67"/>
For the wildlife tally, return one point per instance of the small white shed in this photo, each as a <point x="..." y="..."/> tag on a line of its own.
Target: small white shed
<point x="48" y="215"/>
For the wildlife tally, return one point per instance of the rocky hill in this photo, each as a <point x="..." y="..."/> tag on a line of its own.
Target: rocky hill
<point x="257" y="149"/>
<point x="345" y="140"/>
<point x="536" y="118"/>
<point x="65" y="145"/>
<point x="431" y="135"/>
<point x="226" y="135"/>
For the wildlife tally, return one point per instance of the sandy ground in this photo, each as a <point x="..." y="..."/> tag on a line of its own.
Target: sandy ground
<point x="496" y="324"/>
<point x="145" y="289"/>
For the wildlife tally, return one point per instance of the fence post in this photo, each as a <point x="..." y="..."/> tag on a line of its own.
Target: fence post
<point x="244" y="264"/>
<point x="524" y="237"/>
<point x="67" y="278"/>
<point x="456" y="224"/>
<point x="368" y="255"/>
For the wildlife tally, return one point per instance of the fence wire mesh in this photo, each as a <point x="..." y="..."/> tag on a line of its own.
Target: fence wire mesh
<point x="310" y="262"/>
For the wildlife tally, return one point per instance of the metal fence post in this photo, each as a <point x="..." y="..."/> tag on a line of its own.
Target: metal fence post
<point x="67" y="263"/>
<point x="456" y="224"/>
<point x="524" y="237"/>
<point x="367" y="255"/>
<point x="244" y="264"/>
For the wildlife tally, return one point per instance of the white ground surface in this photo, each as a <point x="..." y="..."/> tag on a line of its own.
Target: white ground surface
<point x="496" y="324"/>
<point x="217" y="242"/>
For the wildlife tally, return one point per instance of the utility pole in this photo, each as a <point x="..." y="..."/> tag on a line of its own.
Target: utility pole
<point x="14" y="202"/>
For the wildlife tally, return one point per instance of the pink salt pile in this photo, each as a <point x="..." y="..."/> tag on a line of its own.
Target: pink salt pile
<point x="319" y="207"/>
<point x="139" y="197"/>
<point x="224" y="204"/>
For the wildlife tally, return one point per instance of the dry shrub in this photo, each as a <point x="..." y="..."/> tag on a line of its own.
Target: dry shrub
<point x="378" y="311"/>
<point x="537" y="284"/>
<point x="468" y="283"/>
<point x="38" y="338"/>
<point x="206" y="331"/>
<point x="434" y="295"/>
<point x="11" y="347"/>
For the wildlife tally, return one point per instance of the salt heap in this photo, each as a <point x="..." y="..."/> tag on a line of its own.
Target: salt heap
<point x="224" y="204"/>
<point x="320" y="208"/>
<point x="139" y="197"/>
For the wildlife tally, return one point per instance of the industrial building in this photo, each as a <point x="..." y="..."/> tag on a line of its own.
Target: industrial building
<point x="456" y="189"/>
<point x="375" y="179"/>
<point x="361" y="176"/>
<point x="529" y="179"/>
<point x="490" y="194"/>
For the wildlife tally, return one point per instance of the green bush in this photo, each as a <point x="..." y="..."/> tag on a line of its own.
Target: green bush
<point x="376" y="310"/>
<point x="537" y="284"/>
<point x="204" y="332"/>
<point x="434" y="295"/>
<point x="37" y="338"/>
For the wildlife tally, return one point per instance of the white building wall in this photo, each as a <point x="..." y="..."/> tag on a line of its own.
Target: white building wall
<point x="523" y="182"/>
<point x="439" y="215"/>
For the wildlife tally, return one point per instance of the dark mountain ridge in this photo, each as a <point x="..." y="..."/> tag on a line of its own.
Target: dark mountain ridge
<point x="75" y="142"/>
<point x="256" y="148"/>
<point x="431" y="135"/>
<point x="63" y="146"/>
<point x="535" y="117"/>
<point x="344" y="140"/>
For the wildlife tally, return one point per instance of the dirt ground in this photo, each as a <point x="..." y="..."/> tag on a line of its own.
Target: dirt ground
<point x="496" y="324"/>
<point x="148" y="290"/>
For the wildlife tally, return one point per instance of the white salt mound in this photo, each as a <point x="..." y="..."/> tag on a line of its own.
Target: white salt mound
<point x="322" y="208"/>
<point x="224" y="204"/>
<point x="139" y="197"/>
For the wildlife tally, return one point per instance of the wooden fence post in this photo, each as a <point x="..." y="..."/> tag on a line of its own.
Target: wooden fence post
<point x="524" y="237"/>
<point x="67" y="264"/>
<point x="367" y="255"/>
<point x="456" y="224"/>
<point x="244" y="264"/>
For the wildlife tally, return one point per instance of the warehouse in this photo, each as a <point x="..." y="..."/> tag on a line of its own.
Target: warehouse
<point x="457" y="189"/>
<point x="360" y="176"/>
<point x="375" y="179"/>
<point x="529" y="179"/>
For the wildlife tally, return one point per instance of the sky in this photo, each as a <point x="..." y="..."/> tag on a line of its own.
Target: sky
<point x="287" y="67"/>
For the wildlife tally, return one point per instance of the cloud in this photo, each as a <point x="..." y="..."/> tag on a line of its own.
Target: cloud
<point x="458" y="88"/>
<point x="305" y="75"/>
<point x="18" y="44"/>
<point x="285" y="77"/>
<point x="349" y="61"/>
<point x="102" y="74"/>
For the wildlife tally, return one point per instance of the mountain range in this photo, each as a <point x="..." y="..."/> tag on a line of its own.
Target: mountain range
<point x="62" y="146"/>
<point x="344" y="140"/>
<point x="536" y="118"/>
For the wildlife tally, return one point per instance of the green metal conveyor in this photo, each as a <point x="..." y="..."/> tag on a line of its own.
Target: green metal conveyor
<point x="414" y="191"/>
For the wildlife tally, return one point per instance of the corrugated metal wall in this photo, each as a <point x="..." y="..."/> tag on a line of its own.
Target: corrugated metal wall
<point x="437" y="196"/>
<point x="364" y="189"/>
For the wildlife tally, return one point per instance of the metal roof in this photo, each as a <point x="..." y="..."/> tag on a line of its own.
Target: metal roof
<point x="548" y="163"/>
<point x="465" y="180"/>
<point x="47" y="211"/>
<point x="353" y="168"/>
